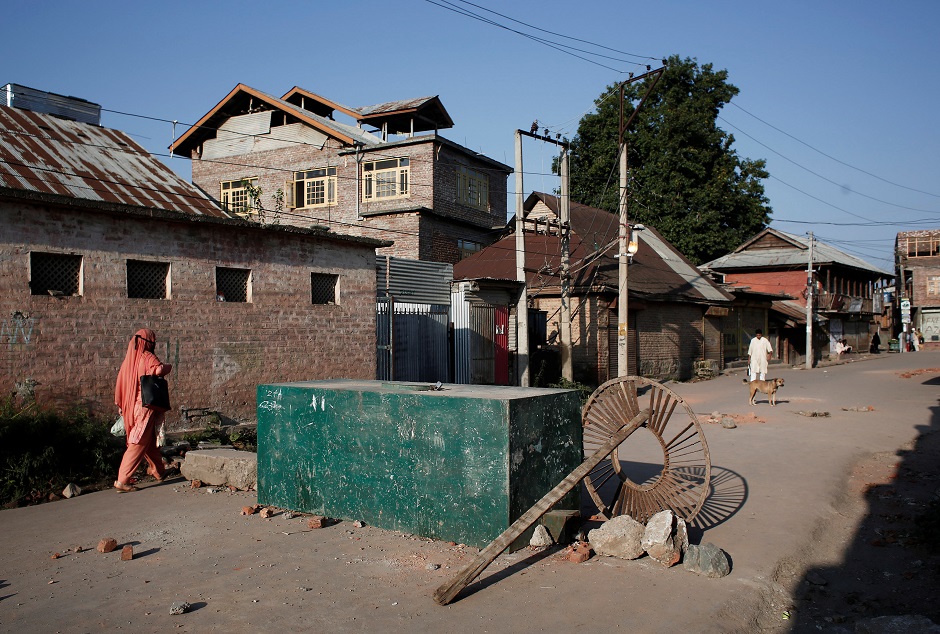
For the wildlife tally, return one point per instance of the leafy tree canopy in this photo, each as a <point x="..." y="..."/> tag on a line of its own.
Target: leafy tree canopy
<point x="685" y="178"/>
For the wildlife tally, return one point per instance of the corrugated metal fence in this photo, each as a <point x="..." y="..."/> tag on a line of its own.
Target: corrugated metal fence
<point x="412" y="342"/>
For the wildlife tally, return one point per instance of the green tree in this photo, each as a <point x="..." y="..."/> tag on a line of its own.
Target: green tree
<point x="685" y="178"/>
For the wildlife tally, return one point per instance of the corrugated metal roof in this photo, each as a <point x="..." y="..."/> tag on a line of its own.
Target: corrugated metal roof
<point x="658" y="271"/>
<point x="45" y="154"/>
<point x="393" y="106"/>
<point x="418" y="282"/>
<point x="788" y="257"/>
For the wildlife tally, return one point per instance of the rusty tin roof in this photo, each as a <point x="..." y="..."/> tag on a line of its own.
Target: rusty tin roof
<point x="658" y="270"/>
<point x="44" y="154"/>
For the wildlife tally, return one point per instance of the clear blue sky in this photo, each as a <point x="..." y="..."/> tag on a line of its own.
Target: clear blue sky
<point x="856" y="81"/>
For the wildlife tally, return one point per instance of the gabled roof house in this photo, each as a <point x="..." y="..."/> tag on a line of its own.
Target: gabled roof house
<point x="673" y="308"/>
<point x="383" y="172"/>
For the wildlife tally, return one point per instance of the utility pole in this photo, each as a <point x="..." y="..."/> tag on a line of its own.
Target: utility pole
<point x="810" y="291"/>
<point x="567" y="369"/>
<point x="623" y="315"/>
<point x="522" y="305"/>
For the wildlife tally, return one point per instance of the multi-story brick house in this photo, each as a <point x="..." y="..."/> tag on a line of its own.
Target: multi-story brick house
<point x="774" y="263"/>
<point x="674" y="310"/>
<point x="100" y="239"/>
<point x="918" y="268"/>
<point x="386" y="174"/>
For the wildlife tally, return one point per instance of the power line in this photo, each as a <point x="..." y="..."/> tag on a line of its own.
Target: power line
<point x="820" y="176"/>
<point x="832" y="158"/>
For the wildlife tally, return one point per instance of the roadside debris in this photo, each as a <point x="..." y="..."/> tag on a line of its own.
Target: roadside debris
<point x="813" y="414"/>
<point x="127" y="553"/>
<point x="71" y="490"/>
<point x="195" y="484"/>
<point x="359" y="524"/>
<point x="541" y="538"/>
<point x="267" y="512"/>
<point x="55" y="555"/>
<point x="250" y="510"/>
<point x="707" y="560"/>
<point x="866" y="408"/>
<point x="179" y="607"/>
<point x="107" y="544"/>
<point x="579" y="552"/>
<point x="317" y="521"/>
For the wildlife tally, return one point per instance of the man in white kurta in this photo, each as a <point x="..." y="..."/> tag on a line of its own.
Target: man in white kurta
<point x="758" y="354"/>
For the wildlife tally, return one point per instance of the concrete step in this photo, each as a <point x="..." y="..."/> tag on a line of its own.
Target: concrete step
<point x="222" y="467"/>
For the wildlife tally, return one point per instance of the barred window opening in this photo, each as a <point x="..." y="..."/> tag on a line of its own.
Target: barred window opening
<point x="147" y="280"/>
<point x="232" y="285"/>
<point x="55" y="274"/>
<point x="323" y="288"/>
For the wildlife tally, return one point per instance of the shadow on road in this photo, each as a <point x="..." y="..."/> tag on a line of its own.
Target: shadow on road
<point x="892" y="566"/>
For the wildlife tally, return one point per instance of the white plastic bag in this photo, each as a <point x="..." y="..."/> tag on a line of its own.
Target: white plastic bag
<point x="117" y="428"/>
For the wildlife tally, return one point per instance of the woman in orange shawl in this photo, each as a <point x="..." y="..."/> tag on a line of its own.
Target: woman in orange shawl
<point x="140" y="423"/>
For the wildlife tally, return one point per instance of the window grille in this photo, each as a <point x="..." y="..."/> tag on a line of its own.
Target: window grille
<point x="55" y="274"/>
<point x="323" y="288"/>
<point x="147" y="280"/>
<point x="232" y="285"/>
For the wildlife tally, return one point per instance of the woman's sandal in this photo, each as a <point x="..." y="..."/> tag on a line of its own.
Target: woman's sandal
<point x="124" y="488"/>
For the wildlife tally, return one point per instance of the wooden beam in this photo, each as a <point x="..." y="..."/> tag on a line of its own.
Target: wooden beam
<point x="446" y="593"/>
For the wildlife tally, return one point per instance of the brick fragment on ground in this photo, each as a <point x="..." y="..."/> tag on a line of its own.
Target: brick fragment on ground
<point x="195" y="484"/>
<point x="267" y="512"/>
<point x="55" y="555"/>
<point x="127" y="553"/>
<point x="248" y="510"/>
<point x="317" y="521"/>
<point x="107" y="544"/>
<point x="580" y="553"/>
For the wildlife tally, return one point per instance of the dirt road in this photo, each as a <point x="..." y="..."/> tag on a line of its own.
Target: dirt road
<point x="791" y="497"/>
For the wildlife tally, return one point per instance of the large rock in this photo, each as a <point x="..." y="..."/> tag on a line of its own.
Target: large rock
<point x="618" y="537"/>
<point x="222" y="467"/>
<point x="658" y="539"/>
<point x="708" y="560"/>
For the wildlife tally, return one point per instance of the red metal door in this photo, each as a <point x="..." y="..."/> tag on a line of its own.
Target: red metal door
<point x="501" y="345"/>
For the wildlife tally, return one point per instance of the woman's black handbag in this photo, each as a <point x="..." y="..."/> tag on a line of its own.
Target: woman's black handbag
<point x="154" y="393"/>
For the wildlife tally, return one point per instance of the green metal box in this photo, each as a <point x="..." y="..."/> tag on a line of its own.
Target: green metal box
<point x="458" y="464"/>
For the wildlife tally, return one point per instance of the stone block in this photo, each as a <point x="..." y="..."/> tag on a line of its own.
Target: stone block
<point x="222" y="467"/>
<point x="127" y="553"/>
<point x="618" y="537"/>
<point x="107" y="544"/>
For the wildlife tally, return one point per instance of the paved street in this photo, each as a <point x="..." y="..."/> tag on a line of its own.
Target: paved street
<point x="781" y="503"/>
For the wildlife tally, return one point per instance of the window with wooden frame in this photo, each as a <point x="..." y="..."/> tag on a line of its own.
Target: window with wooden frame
<point x="148" y="280"/>
<point x="388" y="178"/>
<point x="232" y="285"/>
<point x="235" y="196"/>
<point x="56" y="274"/>
<point x="312" y="188"/>
<point x="323" y="288"/>
<point x="933" y="284"/>
<point x="923" y="246"/>
<point x="466" y="248"/>
<point x="473" y="188"/>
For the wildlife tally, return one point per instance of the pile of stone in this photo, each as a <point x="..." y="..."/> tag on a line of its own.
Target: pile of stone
<point x="665" y="538"/>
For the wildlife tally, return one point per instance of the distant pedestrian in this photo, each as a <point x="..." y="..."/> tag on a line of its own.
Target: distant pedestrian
<point x="758" y="354"/>
<point x="916" y="339"/>
<point x="875" y="343"/>
<point x="140" y="423"/>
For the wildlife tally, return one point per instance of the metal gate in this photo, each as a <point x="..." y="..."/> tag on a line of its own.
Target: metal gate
<point x="412" y="342"/>
<point x="482" y="344"/>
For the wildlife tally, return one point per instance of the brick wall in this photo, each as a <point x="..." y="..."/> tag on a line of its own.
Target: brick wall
<point x="73" y="346"/>
<point x="920" y="273"/>
<point x="432" y="185"/>
<point x="669" y="337"/>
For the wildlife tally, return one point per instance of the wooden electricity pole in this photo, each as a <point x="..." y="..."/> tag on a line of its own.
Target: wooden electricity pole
<point x="810" y="293"/>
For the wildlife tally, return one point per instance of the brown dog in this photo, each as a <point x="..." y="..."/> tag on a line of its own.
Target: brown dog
<point x="768" y="387"/>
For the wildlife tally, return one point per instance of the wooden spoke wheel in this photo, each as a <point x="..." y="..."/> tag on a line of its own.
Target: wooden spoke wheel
<point x="663" y="465"/>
